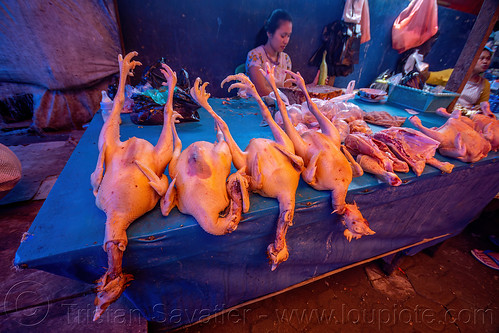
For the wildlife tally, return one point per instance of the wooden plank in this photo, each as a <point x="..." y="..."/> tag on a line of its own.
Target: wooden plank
<point x="473" y="48"/>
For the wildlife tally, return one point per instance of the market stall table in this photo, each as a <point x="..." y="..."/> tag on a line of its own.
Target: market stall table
<point x="182" y="274"/>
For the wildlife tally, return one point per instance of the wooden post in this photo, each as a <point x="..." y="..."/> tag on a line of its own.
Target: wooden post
<point x="473" y="48"/>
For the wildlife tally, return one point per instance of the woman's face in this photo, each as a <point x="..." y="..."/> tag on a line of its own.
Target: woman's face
<point x="280" y="38"/>
<point x="483" y="62"/>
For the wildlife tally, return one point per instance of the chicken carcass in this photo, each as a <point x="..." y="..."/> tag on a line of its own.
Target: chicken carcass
<point x="342" y="127"/>
<point x="457" y="138"/>
<point x="327" y="168"/>
<point x="273" y="168"/>
<point x="120" y="185"/>
<point x="484" y="123"/>
<point x="488" y="125"/>
<point x="413" y="147"/>
<point x="200" y="186"/>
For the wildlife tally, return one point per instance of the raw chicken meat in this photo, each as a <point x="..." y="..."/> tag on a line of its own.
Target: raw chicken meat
<point x="359" y="126"/>
<point x="457" y="138"/>
<point x="360" y="143"/>
<point x="326" y="166"/>
<point x="413" y="147"/>
<point x="295" y="114"/>
<point x="200" y="187"/>
<point x="398" y="165"/>
<point x="383" y="118"/>
<point x="488" y="125"/>
<point x="121" y="185"/>
<point x="348" y="112"/>
<point x="373" y="165"/>
<point x="371" y="158"/>
<point x="273" y="168"/>
<point x="484" y="123"/>
<point x="342" y="127"/>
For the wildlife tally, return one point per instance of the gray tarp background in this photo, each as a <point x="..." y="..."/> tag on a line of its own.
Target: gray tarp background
<point x="61" y="51"/>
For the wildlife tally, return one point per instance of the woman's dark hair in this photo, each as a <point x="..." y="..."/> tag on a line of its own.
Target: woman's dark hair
<point x="272" y="23"/>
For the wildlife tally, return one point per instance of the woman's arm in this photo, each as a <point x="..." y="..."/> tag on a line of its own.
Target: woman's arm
<point x="485" y="94"/>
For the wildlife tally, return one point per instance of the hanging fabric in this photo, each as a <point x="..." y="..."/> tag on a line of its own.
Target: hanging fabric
<point x="415" y="25"/>
<point x="341" y="40"/>
<point x="357" y="11"/>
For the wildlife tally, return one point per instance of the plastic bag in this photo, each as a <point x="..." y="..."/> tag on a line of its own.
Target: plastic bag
<point x="415" y="25"/>
<point x="148" y="106"/>
<point x="149" y="103"/>
<point x="415" y="60"/>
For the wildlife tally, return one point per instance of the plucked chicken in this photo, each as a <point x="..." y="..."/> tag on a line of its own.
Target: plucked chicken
<point x="119" y="182"/>
<point x="488" y="125"/>
<point x="484" y="123"/>
<point x="457" y="138"/>
<point x="273" y="168"/>
<point x="327" y="168"/>
<point x="200" y="186"/>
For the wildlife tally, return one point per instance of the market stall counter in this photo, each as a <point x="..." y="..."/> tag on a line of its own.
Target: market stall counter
<point x="182" y="274"/>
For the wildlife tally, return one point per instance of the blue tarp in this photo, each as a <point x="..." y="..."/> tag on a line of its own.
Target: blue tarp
<point x="182" y="274"/>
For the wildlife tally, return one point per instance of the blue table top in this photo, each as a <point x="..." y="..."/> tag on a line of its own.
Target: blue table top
<point x="70" y="221"/>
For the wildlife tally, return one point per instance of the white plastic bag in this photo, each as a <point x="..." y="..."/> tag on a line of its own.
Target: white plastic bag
<point x="415" y="60"/>
<point x="415" y="25"/>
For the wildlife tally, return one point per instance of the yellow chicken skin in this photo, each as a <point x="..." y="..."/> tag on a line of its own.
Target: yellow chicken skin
<point x="122" y="182"/>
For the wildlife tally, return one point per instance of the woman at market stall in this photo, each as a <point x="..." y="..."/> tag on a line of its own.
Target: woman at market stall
<point x="477" y="89"/>
<point x="272" y="39"/>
